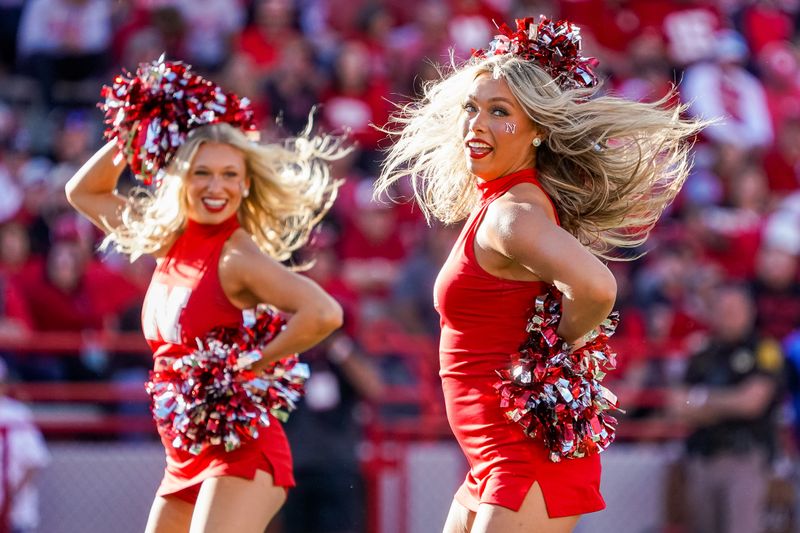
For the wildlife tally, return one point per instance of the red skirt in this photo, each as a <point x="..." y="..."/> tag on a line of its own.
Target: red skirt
<point x="570" y="487"/>
<point x="185" y="472"/>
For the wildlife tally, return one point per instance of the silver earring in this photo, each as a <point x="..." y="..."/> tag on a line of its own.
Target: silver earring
<point x="245" y="193"/>
<point x="536" y="142"/>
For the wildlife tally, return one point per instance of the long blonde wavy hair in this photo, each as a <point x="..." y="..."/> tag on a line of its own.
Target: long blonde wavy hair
<point x="610" y="165"/>
<point x="291" y="189"/>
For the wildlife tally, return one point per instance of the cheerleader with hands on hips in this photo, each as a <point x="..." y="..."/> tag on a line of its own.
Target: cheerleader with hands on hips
<point x="551" y="178"/>
<point x="226" y="211"/>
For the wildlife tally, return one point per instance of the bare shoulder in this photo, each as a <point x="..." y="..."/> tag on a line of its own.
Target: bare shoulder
<point x="241" y="252"/>
<point x="525" y="207"/>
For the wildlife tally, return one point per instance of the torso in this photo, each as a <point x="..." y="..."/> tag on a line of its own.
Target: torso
<point x="185" y="298"/>
<point x="483" y="319"/>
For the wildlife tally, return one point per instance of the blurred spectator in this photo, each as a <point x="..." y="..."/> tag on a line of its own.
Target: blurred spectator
<point x="663" y="289"/>
<point x="210" y="29"/>
<point x="15" y="249"/>
<point x="730" y="401"/>
<point x="650" y="77"/>
<point x="412" y="295"/>
<point x="64" y="40"/>
<point x="325" y="433"/>
<point x="686" y="26"/>
<point x="27" y="455"/>
<point x="724" y="89"/>
<point x="689" y="28"/>
<point x="10" y="14"/>
<point x="171" y="28"/>
<point x="293" y="89"/>
<point x="356" y="101"/>
<point x="776" y="286"/>
<point x="371" y="248"/>
<point x="274" y="26"/>
<point x="419" y="44"/>
<point x="374" y="26"/>
<point x="469" y="25"/>
<point x="73" y="292"/>
<point x="778" y="69"/>
<point x="731" y="233"/>
<point x="12" y="197"/>
<point x="239" y="79"/>
<point x="766" y="22"/>
<point x="326" y="430"/>
<point x="782" y="161"/>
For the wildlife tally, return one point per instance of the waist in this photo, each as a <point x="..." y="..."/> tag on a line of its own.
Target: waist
<point x="162" y="362"/>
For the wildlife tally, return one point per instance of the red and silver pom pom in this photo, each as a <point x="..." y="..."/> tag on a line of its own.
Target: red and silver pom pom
<point x="556" y="394"/>
<point x="150" y="113"/>
<point x="555" y="46"/>
<point x="211" y="397"/>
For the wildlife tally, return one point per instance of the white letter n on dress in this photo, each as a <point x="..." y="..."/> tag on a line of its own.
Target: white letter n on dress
<point x="162" y="312"/>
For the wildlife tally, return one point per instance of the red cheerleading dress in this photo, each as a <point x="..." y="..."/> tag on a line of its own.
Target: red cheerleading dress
<point x="184" y="302"/>
<point x="483" y="321"/>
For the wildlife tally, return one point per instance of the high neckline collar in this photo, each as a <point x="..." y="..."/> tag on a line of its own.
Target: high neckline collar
<point x="489" y="188"/>
<point x="227" y="225"/>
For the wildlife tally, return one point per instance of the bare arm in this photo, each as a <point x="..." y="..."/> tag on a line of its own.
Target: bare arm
<point x="92" y="190"/>
<point x="357" y="369"/>
<point x="250" y="277"/>
<point x="523" y="232"/>
<point x="704" y="405"/>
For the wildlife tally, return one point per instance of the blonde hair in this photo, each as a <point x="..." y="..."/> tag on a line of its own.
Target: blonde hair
<point x="610" y="165"/>
<point x="291" y="189"/>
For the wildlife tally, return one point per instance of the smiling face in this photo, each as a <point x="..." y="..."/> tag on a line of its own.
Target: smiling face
<point x="497" y="133"/>
<point x="215" y="183"/>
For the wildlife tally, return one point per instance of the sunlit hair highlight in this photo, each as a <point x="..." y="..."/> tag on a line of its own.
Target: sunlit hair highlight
<point x="610" y="165"/>
<point x="291" y="189"/>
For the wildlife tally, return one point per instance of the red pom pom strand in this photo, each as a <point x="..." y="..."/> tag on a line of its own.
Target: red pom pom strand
<point x="556" y="393"/>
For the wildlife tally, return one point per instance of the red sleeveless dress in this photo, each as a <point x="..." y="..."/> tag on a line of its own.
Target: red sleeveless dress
<point x="184" y="301"/>
<point x="483" y="321"/>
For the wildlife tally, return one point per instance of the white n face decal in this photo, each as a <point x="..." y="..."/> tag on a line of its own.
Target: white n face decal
<point x="161" y="312"/>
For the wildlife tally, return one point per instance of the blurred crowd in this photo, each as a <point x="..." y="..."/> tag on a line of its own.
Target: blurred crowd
<point x="735" y="225"/>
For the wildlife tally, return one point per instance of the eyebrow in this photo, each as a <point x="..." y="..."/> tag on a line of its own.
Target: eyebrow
<point x="493" y="99"/>
<point x="226" y="167"/>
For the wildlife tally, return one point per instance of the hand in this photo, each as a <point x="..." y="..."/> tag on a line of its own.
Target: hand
<point x="247" y="360"/>
<point x="688" y="404"/>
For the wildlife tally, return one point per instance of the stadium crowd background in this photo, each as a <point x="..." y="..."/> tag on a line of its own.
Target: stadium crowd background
<point x="737" y="218"/>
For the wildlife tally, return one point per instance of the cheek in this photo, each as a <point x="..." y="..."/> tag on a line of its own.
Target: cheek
<point x="464" y="127"/>
<point x="191" y="191"/>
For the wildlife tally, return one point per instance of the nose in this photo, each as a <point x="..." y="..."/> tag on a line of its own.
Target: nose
<point x="214" y="183"/>
<point x="476" y="123"/>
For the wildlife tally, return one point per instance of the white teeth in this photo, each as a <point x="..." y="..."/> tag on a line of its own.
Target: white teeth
<point x="479" y="145"/>
<point x="214" y="203"/>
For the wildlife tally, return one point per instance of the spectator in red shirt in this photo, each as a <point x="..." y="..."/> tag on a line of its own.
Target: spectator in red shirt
<point x="776" y="286"/>
<point x="782" y="161"/>
<point x="731" y="233"/>
<point x="273" y="27"/>
<point x="778" y="69"/>
<point x="372" y="251"/>
<point x="356" y="101"/>
<point x="766" y="22"/>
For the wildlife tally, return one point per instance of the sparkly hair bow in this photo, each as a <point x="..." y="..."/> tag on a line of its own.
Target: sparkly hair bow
<point x="555" y="46"/>
<point x="151" y="113"/>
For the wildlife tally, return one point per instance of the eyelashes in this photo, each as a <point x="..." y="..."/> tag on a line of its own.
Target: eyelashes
<point x="469" y="107"/>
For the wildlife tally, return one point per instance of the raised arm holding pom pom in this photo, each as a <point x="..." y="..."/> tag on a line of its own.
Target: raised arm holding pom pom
<point x="220" y="214"/>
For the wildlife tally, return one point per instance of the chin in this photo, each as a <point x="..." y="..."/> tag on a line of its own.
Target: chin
<point x="210" y="218"/>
